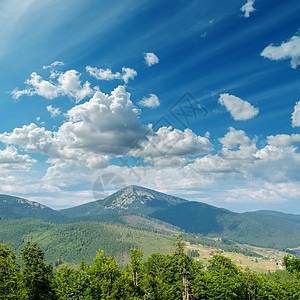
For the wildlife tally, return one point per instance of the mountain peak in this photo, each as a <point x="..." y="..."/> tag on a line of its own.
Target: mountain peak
<point x="131" y="199"/>
<point x="136" y="198"/>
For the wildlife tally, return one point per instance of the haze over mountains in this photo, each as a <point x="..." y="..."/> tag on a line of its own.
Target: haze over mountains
<point x="261" y="228"/>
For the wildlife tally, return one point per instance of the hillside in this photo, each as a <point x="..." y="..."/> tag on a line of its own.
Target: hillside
<point x="18" y="208"/>
<point x="244" y="228"/>
<point x="71" y="242"/>
<point x="281" y="221"/>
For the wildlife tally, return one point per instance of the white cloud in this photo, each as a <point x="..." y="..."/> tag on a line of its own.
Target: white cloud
<point x="103" y="74"/>
<point x="29" y="137"/>
<point x="151" y="101"/>
<point x="107" y="74"/>
<point x="54" y="64"/>
<point x="128" y="73"/>
<point x="68" y="84"/>
<point x="287" y="50"/>
<point x="54" y="111"/>
<point x="168" y="146"/>
<point x="278" y="161"/>
<point x="283" y="140"/>
<point x="10" y="159"/>
<point x="103" y="127"/>
<point x="296" y="115"/>
<point x="264" y="192"/>
<point x="239" y="109"/>
<point x="151" y="59"/>
<point x="245" y="195"/>
<point x="233" y="138"/>
<point x="237" y="153"/>
<point x="248" y="8"/>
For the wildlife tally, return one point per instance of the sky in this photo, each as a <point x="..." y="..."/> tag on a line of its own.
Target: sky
<point x="195" y="98"/>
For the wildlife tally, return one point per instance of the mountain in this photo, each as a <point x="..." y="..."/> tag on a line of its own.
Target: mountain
<point x="131" y="199"/>
<point x="264" y="228"/>
<point x="19" y="208"/>
<point x="259" y="229"/>
<point x="279" y="220"/>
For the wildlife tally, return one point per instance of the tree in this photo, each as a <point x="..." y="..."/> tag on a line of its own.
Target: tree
<point x="292" y="264"/>
<point x="136" y="257"/>
<point x="184" y="267"/>
<point x="225" y="280"/>
<point x="72" y="284"/>
<point x="36" y="275"/>
<point x="10" y="281"/>
<point x="104" y="273"/>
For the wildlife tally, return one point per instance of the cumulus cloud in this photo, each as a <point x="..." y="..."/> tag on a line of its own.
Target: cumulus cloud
<point x="30" y="138"/>
<point x="10" y="159"/>
<point x="296" y="115"/>
<point x="151" y="59"/>
<point x="54" y="111"/>
<point x="168" y="146"/>
<point x="279" y="160"/>
<point x="248" y="8"/>
<point x="239" y="109"/>
<point x="283" y="140"/>
<point x="128" y="73"/>
<point x="152" y="101"/>
<point x="68" y="84"/>
<point x="95" y="131"/>
<point x="103" y="74"/>
<point x="238" y="151"/>
<point x="287" y="50"/>
<point x="107" y="74"/>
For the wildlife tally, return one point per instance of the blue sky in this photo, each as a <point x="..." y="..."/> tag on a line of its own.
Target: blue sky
<point x="199" y="99"/>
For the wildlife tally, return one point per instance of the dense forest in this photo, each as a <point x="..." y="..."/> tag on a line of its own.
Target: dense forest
<point x="176" y="276"/>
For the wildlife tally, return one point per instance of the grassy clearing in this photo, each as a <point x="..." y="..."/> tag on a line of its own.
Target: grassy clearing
<point x="269" y="262"/>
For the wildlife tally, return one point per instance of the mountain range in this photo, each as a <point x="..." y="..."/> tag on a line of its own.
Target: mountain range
<point x="260" y="228"/>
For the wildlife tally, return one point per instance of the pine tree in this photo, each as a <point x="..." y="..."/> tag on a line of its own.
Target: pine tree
<point x="10" y="282"/>
<point x="36" y="275"/>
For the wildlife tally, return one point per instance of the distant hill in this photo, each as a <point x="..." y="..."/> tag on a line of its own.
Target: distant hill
<point x="19" y="208"/>
<point x="285" y="222"/>
<point x="252" y="228"/>
<point x="131" y="199"/>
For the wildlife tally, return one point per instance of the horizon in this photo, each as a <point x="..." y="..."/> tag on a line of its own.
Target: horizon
<point x="196" y="100"/>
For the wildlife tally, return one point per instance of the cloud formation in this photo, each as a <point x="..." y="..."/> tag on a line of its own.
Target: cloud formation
<point x="10" y="159"/>
<point x="266" y="192"/>
<point x="239" y="109"/>
<point x="101" y="128"/>
<point x="248" y="8"/>
<point x="107" y="74"/>
<point x="296" y="115"/>
<point x="287" y="50"/>
<point x="152" y="101"/>
<point x="236" y="155"/>
<point x="151" y="59"/>
<point x="54" y="64"/>
<point x="67" y="84"/>
<point x="168" y="146"/>
<point x="54" y="111"/>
